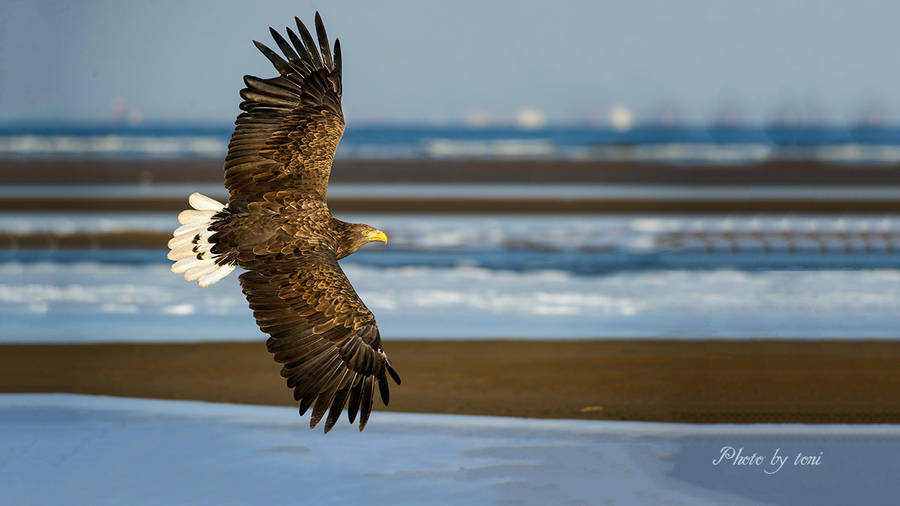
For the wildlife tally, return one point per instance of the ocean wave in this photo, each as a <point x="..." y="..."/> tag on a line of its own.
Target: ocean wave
<point x="465" y="144"/>
<point x="104" y="146"/>
<point x="502" y="148"/>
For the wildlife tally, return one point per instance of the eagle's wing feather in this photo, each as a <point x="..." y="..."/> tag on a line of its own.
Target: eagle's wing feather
<point x="291" y="125"/>
<point x="323" y="334"/>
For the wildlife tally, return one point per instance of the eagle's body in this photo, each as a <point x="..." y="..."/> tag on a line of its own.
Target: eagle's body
<point x="277" y="226"/>
<point x="280" y="229"/>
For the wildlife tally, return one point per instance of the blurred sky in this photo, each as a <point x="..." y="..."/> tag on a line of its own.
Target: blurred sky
<point x="411" y="60"/>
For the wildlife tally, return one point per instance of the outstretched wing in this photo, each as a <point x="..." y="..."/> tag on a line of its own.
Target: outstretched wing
<point x="324" y="336"/>
<point x="287" y="136"/>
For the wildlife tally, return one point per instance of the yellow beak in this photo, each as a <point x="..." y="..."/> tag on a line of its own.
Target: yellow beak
<point x="377" y="235"/>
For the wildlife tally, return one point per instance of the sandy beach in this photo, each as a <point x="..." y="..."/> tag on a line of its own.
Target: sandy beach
<point x="773" y="174"/>
<point x="666" y="381"/>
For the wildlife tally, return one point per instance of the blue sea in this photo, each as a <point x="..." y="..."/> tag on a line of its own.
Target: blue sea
<point x="670" y="144"/>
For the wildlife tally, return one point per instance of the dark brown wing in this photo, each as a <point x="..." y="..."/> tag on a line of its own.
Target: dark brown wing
<point x="324" y="336"/>
<point x="287" y="136"/>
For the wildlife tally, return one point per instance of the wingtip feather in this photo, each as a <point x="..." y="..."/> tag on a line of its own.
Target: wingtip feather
<point x="353" y="403"/>
<point x="278" y="62"/>
<point x="393" y="373"/>
<point x="384" y="390"/>
<point x="309" y="43"/>
<point x="324" y="46"/>
<point x="366" y="402"/>
<point x="338" y="63"/>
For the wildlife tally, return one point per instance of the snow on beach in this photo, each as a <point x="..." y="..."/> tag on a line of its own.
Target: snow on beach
<point x="71" y="449"/>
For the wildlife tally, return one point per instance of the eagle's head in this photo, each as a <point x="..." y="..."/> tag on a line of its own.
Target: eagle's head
<point x="356" y="235"/>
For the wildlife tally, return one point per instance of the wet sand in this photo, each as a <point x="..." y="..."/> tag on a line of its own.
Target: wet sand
<point x="537" y="172"/>
<point x="649" y="380"/>
<point x="93" y="240"/>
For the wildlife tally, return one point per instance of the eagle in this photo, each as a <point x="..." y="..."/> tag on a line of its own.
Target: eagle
<point x="277" y="227"/>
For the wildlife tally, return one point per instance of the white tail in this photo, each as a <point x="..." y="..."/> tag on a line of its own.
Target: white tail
<point x="190" y="246"/>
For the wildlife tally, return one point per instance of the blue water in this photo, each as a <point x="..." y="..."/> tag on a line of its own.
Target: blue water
<point x="677" y="144"/>
<point x="517" y="260"/>
<point x="559" y="135"/>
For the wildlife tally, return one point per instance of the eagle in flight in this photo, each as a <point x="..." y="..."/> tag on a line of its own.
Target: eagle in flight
<point x="277" y="226"/>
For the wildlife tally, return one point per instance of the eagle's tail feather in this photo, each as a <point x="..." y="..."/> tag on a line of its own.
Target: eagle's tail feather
<point x="190" y="246"/>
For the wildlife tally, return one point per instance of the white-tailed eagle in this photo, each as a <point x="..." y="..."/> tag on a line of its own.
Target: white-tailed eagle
<point x="277" y="226"/>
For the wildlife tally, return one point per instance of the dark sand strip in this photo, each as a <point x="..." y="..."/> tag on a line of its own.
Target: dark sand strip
<point x="774" y="172"/>
<point x="93" y="240"/>
<point x="489" y="205"/>
<point x="673" y="381"/>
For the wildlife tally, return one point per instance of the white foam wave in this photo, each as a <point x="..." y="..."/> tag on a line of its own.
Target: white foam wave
<point x="179" y="309"/>
<point x="214" y="146"/>
<point x="506" y="148"/>
<point x="671" y="152"/>
<point x="99" y="302"/>
<point x="112" y="145"/>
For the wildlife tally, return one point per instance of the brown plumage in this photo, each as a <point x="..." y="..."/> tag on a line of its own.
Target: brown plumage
<point x="278" y="227"/>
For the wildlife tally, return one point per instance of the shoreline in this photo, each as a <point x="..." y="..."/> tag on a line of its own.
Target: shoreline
<point x="700" y="381"/>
